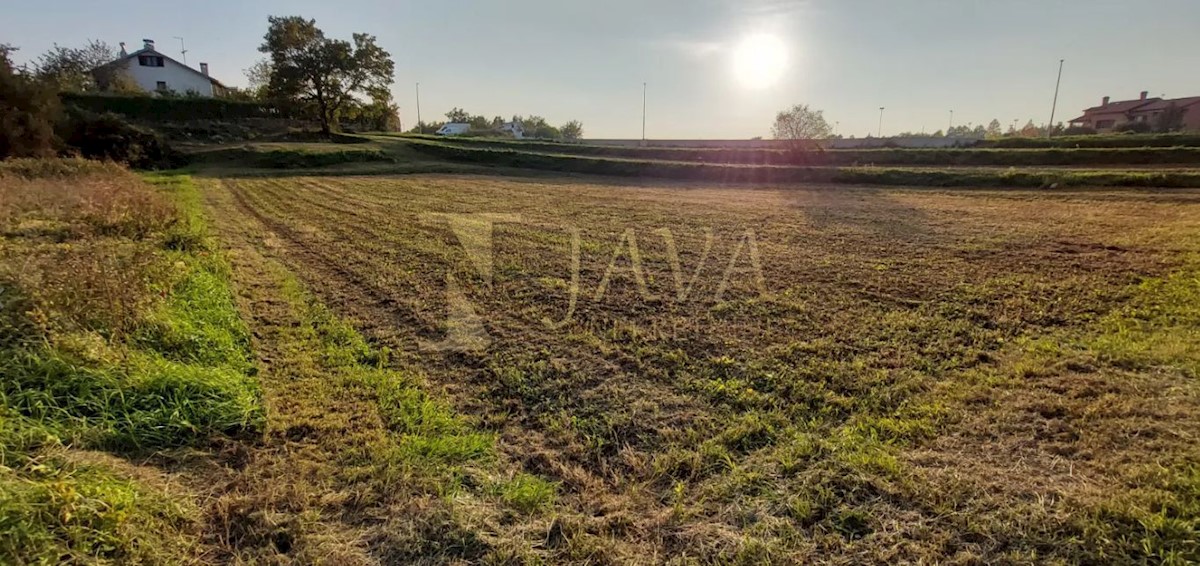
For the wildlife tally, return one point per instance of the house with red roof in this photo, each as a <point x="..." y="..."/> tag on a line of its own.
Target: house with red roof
<point x="1111" y="115"/>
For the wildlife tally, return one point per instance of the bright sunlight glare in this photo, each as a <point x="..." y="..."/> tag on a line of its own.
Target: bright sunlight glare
<point x="759" y="60"/>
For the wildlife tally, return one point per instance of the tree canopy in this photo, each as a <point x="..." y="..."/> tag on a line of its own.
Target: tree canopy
<point x="307" y="67"/>
<point x="801" y="123"/>
<point x="572" y="130"/>
<point x="82" y="69"/>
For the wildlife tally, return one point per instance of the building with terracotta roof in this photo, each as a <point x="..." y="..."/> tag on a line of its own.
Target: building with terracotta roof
<point x="1112" y="115"/>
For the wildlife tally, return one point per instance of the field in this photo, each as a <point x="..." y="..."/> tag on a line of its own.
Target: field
<point x="838" y="374"/>
<point x="466" y="363"/>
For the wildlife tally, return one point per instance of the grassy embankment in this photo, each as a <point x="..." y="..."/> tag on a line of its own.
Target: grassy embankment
<point x="567" y="162"/>
<point x="1000" y="156"/>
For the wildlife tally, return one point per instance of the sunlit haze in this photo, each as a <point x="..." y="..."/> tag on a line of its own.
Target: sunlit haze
<point x="714" y="68"/>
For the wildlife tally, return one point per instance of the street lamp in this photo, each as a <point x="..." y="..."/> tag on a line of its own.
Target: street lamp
<point x="880" y="133"/>
<point x="951" y="126"/>
<point x="643" y="113"/>
<point x="420" y="124"/>
<point x="1054" y="105"/>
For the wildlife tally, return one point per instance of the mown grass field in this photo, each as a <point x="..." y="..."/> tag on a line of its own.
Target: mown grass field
<point x="688" y="373"/>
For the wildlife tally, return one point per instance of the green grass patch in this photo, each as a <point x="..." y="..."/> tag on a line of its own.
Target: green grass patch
<point x="527" y="493"/>
<point x="120" y="340"/>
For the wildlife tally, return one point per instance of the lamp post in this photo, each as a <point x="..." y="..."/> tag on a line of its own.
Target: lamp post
<point x="643" y="113"/>
<point x="1054" y="105"/>
<point x="880" y="132"/>
<point x="420" y="124"/>
<point x="951" y="126"/>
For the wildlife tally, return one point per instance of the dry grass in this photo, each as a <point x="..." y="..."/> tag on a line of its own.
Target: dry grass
<point x="929" y="376"/>
<point x="109" y="340"/>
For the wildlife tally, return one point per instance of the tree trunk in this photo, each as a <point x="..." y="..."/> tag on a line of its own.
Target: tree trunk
<point x="323" y="110"/>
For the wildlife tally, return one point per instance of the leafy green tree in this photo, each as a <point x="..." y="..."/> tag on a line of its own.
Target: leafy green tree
<point x="572" y="130"/>
<point x="259" y="77"/>
<point x="82" y="69"/>
<point x="537" y="127"/>
<point x="29" y="109"/>
<point x="800" y="123"/>
<point x="328" y="73"/>
<point x="457" y="115"/>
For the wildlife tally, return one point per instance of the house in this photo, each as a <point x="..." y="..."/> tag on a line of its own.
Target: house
<point x="1111" y="115"/>
<point x="516" y="129"/>
<point x="153" y="71"/>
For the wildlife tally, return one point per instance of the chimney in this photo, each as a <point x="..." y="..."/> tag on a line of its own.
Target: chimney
<point x="148" y="44"/>
<point x="1145" y="93"/>
<point x="1104" y="102"/>
<point x="204" y="68"/>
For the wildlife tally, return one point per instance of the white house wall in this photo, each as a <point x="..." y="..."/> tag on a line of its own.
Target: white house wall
<point x="178" y="78"/>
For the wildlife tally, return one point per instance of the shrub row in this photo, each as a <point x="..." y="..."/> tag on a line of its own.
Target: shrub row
<point x="781" y="174"/>
<point x="1112" y="141"/>
<point x="159" y="109"/>
<point x="856" y="157"/>
<point x="291" y="158"/>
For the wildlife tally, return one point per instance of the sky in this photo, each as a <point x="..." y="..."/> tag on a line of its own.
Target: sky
<point x="588" y="60"/>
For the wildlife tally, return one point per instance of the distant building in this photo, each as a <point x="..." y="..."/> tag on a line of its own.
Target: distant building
<point x="516" y="129"/>
<point x="155" y="72"/>
<point x="1111" y="115"/>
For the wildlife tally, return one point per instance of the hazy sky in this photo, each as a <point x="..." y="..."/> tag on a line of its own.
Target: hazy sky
<point x="586" y="60"/>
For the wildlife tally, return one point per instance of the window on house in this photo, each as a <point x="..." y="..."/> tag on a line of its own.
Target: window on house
<point x="1104" y="124"/>
<point x="162" y="85"/>
<point x="150" y="61"/>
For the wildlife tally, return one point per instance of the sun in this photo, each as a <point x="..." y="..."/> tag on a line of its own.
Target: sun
<point x="759" y="60"/>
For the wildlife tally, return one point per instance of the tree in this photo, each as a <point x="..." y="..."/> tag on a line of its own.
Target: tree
<point x="1030" y="130"/>
<point x="82" y="69"/>
<point x="572" y="130"/>
<point x="328" y="73"/>
<point x="1170" y="120"/>
<point x="537" y="127"/>
<point x="381" y="114"/>
<point x="800" y="123"/>
<point x="457" y="115"/>
<point x="994" y="130"/>
<point x="29" y="109"/>
<point x="259" y="78"/>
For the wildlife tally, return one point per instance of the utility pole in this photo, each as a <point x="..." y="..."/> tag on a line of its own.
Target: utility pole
<point x="182" y="49"/>
<point x="643" y="113"/>
<point x="951" y="126"/>
<point x="420" y="124"/>
<point x="880" y="133"/>
<point x="1054" y="105"/>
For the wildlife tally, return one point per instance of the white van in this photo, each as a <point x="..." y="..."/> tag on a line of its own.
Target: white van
<point x="454" y="129"/>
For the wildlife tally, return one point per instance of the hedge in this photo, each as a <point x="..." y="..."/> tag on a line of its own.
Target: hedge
<point x="859" y="157"/>
<point x="1111" y="141"/>
<point x="717" y="172"/>
<point x="158" y="109"/>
